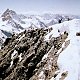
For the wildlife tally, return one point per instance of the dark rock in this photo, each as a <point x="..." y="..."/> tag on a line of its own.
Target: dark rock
<point x="30" y="49"/>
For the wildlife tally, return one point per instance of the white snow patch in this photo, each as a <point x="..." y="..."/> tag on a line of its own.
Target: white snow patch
<point x="58" y="29"/>
<point x="54" y="33"/>
<point x="11" y="63"/>
<point x="12" y="57"/>
<point x="13" y="54"/>
<point x="63" y="45"/>
<point x="41" y="73"/>
<point x="41" y="76"/>
<point x="45" y="56"/>
<point x="20" y="57"/>
<point x="21" y="37"/>
<point x="0" y="46"/>
<point x="16" y="45"/>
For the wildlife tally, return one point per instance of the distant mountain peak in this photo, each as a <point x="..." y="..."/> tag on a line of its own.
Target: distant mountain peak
<point x="8" y="14"/>
<point x="8" y="11"/>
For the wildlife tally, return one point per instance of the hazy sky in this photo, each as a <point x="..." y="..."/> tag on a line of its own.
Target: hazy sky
<point x="40" y="6"/>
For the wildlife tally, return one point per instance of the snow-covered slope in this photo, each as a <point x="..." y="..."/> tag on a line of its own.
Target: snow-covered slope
<point x="69" y="58"/>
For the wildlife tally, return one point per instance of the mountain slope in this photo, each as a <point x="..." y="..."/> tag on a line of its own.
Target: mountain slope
<point x="69" y="59"/>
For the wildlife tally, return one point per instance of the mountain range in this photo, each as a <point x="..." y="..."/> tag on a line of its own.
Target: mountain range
<point x="11" y="22"/>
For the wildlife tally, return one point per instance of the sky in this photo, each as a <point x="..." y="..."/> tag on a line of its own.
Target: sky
<point x="42" y="6"/>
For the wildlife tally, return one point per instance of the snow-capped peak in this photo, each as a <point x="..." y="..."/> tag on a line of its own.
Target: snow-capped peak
<point x="8" y="14"/>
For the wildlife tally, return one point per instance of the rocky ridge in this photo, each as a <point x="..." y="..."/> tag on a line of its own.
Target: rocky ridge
<point x="23" y="56"/>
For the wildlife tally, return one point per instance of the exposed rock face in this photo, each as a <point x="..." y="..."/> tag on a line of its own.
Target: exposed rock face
<point x="23" y="56"/>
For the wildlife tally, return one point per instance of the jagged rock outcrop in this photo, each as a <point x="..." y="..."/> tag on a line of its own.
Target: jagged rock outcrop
<point x="22" y="56"/>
